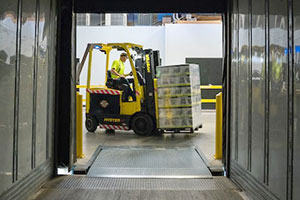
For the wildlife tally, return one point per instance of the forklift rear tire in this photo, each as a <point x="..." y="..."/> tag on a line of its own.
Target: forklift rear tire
<point x="91" y="124"/>
<point x="142" y="124"/>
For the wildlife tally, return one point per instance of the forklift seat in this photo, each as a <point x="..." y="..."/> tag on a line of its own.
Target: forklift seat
<point x="119" y="85"/>
<point x="110" y="80"/>
<point x="113" y="83"/>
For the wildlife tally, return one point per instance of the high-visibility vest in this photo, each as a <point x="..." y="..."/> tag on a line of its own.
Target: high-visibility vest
<point x="119" y="66"/>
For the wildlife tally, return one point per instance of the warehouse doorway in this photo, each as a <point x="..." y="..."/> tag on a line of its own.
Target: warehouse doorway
<point x="63" y="138"/>
<point x="158" y="31"/>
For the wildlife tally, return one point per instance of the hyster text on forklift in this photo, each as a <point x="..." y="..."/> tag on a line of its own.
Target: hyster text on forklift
<point x="106" y="106"/>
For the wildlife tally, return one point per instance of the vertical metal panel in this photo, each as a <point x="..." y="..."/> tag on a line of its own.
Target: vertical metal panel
<point x="243" y="82"/>
<point x="296" y="166"/>
<point x="258" y="88"/>
<point x="249" y="85"/>
<point x="51" y="78"/>
<point x="8" y="28"/>
<point x="275" y="100"/>
<point x="26" y="87"/>
<point x="42" y="82"/>
<point x="237" y="79"/>
<point x="17" y="91"/>
<point x="227" y="41"/>
<point x="35" y="70"/>
<point x="290" y="101"/>
<point x="278" y="97"/>
<point x="17" y="60"/>
<point x="234" y="84"/>
<point x="73" y="156"/>
<point x="267" y="102"/>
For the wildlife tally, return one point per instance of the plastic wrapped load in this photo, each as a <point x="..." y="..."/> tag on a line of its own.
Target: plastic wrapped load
<point x="180" y="117"/>
<point x="196" y="113"/>
<point x="174" y="81"/>
<point x="178" y="91"/>
<point x="184" y="101"/>
<point x="194" y="75"/>
<point x="176" y="123"/>
<point x="174" y="91"/>
<point x="177" y="70"/>
<point x="175" y="102"/>
<point x="171" y="113"/>
<point x="179" y="96"/>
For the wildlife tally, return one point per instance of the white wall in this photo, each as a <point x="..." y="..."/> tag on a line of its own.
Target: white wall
<point x="174" y="41"/>
<point x="192" y="40"/>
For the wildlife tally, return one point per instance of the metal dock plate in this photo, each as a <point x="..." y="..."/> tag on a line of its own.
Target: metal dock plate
<point x="149" y="163"/>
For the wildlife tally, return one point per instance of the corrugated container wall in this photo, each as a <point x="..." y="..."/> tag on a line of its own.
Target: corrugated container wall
<point x="27" y="64"/>
<point x="265" y="91"/>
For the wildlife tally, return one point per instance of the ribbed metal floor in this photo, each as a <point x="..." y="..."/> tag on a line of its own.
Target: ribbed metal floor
<point x="93" y="188"/>
<point x="93" y="183"/>
<point x="149" y="163"/>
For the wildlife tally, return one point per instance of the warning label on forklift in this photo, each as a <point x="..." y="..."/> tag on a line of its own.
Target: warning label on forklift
<point x="112" y="120"/>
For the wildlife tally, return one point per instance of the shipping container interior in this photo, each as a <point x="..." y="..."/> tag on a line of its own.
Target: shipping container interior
<point x="247" y="49"/>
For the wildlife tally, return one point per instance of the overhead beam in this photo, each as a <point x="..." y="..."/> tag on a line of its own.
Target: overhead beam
<point x="153" y="6"/>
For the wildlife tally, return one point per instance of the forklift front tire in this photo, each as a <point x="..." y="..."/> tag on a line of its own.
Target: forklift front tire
<point x="142" y="124"/>
<point x="91" y="124"/>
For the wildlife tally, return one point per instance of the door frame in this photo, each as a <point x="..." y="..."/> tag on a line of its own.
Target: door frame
<point x="65" y="112"/>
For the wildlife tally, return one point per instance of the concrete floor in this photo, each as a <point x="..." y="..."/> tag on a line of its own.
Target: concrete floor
<point x="204" y="140"/>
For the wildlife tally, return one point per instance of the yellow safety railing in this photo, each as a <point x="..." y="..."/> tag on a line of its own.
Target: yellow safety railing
<point x="208" y="101"/>
<point x="219" y="126"/>
<point x="210" y="87"/>
<point x="91" y="86"/>
<point x="213" y="87"/>
<point x="79" y="130"/>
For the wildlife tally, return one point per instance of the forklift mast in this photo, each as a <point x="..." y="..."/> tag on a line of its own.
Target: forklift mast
<point x="151" y="60"/>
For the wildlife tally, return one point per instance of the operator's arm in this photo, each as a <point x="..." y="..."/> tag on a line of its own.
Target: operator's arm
<point x="130" y="74"/>
<point x="116" y="73"/>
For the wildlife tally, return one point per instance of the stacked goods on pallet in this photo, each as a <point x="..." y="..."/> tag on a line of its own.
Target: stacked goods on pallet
<point x="179" y="97"/>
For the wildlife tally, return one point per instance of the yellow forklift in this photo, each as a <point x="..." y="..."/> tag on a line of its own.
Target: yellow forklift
<point x="105" y="105"/>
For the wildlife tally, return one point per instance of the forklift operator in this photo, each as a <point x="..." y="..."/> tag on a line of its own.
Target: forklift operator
<point x="117" y="73"/>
